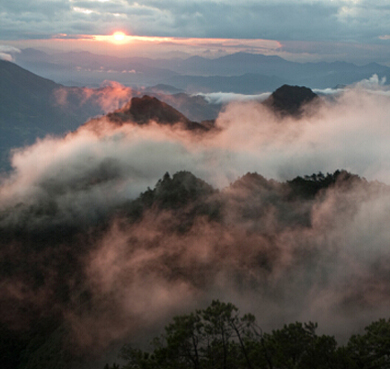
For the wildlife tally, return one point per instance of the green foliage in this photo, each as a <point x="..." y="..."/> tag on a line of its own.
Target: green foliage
<point x="211" y="338"/>
<point x="372" y="349"/>
<point x="219" y="338"/>
<point x="298" y="346"/>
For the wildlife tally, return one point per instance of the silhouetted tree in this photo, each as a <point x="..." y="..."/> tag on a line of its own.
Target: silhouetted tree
<point x="219" y="338"/>
<point x="372" y="349"/>
<point x="215" y="337"/>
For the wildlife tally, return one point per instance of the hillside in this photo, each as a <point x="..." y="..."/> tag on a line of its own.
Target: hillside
<point x="33" y="107"/>
<point x="29" y="109"/>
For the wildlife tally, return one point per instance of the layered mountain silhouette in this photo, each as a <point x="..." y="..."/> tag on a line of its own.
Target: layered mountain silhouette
<point x="285" y="101"/>
<point x="239" y="72"/>
<point x="29" y="108"/>
<point x="80" y="68"/>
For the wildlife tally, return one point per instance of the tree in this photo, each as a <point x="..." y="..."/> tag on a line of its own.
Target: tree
<point x="289" y="345"/>
<point x="296" y="346"/>
<point x="215" y="337"/>
<point x="226" y="334"/>
<point x="219" y="338"/>
<point x="183" y="338"/>
<point x="372" y="349"/>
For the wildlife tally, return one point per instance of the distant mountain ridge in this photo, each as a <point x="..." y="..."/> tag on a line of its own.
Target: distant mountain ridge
<point x="83" y="66"/>
<point x="248" y="83"/>
<point x="146" y="71"/>
<point x="30" y="108"/>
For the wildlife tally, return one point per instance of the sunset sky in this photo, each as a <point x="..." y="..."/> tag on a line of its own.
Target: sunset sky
<point x="304" y="30"/>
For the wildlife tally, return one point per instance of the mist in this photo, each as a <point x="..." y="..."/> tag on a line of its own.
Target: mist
<point x="78" y="239"/>
<point x="228" y="97"/>
<point x="109" y="96"/>
<point x="349" y="133"/>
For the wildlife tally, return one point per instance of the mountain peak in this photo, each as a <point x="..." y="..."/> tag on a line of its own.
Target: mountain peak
<point x="146" y="108"/>
<point x="289" y="100"/>
<point x="142" y="110"/>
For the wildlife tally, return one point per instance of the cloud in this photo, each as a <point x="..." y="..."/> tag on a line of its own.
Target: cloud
<point x="310" y="31"/>
<point x="7" y="51"/>
<point x="373" y="83"/>
<point x="227" y="97"/>
<point x="110" y="96"/>
<point x="252" y="139"/>
<point x="342" y="21"/>
<point x="280" y="273"/>
<point x="285" y="258"/>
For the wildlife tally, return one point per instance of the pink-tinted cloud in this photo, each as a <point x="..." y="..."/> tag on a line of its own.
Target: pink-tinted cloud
<point x="317" y="258"/>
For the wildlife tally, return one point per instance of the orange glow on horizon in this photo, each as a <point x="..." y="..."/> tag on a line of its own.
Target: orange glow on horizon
<point x="125" y="45"/>
<point x="119" y="36"/>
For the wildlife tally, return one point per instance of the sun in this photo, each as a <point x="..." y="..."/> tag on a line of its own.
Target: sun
<point x="119" y="36"/>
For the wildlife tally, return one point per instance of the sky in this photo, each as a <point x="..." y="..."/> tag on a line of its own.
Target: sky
<point x="301" y="30"/>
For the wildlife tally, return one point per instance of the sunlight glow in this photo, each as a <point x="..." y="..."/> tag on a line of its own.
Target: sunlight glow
<point x="126" y="44"/>
<point x="119" y="36"/>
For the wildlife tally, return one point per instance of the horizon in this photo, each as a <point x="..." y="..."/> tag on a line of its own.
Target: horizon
<point x="9" y="52"/>
<point x="208" y="48"/>
<point x="342" y="30"/>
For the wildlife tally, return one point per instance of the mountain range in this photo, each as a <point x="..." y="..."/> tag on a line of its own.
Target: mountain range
<point x="32" y="107"/>
<point x="92" y="256"/>
<point x="240" y="72"/>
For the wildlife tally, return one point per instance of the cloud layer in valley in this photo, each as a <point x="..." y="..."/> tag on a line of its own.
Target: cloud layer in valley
<point x="280" y="254"/>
